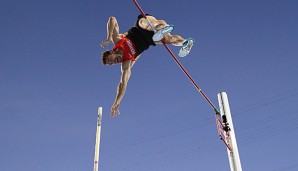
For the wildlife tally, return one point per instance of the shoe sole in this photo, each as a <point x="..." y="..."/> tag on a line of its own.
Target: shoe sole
<point x="159" y="35"/>
<point x="184" y="52"/>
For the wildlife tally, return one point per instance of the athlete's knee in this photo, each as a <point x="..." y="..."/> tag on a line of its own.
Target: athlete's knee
<point x="161" y="22"/>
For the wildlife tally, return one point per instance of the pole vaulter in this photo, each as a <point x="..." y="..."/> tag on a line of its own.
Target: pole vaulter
<point x="220" y="126"/>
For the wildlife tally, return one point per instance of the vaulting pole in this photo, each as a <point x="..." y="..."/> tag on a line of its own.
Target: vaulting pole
<point x="178" y="63"/>
<point x="217" y="113"/>
<point x="234" y="158"/>
<point x="97" y="141"/>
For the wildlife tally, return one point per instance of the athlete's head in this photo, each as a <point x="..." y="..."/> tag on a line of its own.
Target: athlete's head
<point x="111" y="57"/>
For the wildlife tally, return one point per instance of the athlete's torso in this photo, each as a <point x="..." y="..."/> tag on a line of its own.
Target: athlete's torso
<point x="128" y="47"/>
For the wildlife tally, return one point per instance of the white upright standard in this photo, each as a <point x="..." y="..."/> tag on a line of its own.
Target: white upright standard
<point x="97" y="142"/>
<point x="225" y="112"/>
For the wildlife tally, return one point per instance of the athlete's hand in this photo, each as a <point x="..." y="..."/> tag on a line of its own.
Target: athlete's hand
<point x="105" y="43"/>
<point x="114" y="110"/>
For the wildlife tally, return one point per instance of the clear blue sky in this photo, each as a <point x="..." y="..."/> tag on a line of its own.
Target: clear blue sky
<point x="52" y="82"/>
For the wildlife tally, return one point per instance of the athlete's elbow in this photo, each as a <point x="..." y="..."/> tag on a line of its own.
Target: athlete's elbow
<point x="112" y="18"/>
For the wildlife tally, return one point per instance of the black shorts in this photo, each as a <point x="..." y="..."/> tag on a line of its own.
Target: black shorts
<point x="142" y="38"/>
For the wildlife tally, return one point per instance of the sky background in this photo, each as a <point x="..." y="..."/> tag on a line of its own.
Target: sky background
<point x="52" y="82"/>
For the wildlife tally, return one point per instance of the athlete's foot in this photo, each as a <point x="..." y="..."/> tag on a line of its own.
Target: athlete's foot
<point x="186" y="47"/>
<point x="161" y="33"/>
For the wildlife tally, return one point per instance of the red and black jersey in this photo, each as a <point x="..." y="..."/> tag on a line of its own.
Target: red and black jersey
<point x="128" y="48"/>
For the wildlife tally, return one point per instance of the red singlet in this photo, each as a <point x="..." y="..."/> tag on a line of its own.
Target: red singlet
<point x="128" y="48"/>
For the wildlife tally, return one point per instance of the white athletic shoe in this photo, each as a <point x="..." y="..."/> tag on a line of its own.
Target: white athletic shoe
<point x="186" y="47"/>
<point x="161" y="33"/>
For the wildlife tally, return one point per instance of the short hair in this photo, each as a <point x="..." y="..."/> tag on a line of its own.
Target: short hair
<point x="105" y="56"/>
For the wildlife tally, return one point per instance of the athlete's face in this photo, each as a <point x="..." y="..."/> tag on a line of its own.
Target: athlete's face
<point x="114" y="58"/>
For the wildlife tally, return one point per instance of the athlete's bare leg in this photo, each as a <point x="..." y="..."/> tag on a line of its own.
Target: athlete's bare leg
<point x="157" y="24"/>
<point x="175" y="40"/>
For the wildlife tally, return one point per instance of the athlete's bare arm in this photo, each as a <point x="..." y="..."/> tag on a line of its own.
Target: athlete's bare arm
<point x="113" y="34"/>
<point x="126" y="72"/>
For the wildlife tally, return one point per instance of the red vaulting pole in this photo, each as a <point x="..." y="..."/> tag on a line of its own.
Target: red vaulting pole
<point x="178" y="63"/>
<point x="217" y="113"/>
